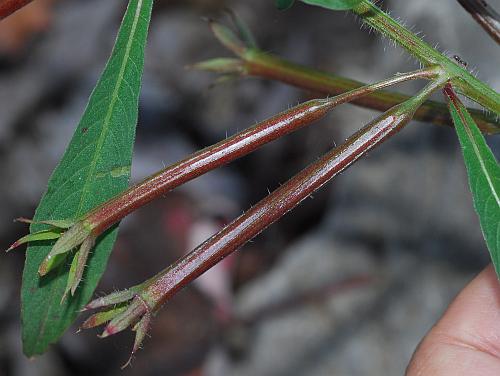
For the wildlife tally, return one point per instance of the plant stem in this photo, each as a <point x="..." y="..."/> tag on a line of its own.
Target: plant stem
<point x="278" y="203"/>
<point x="466" y="83"/>
<point x="387" y="26"/>
<point x="260" y="64"/>
<point x="485" y="16"/>
<point x="112" y="211"/>
<point x="7" y="7"/>
<point x="254" y="62"/>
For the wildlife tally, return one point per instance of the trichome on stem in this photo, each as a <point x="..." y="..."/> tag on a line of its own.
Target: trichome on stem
<point x="147" y="298"/>
<point x="85" y="231"/>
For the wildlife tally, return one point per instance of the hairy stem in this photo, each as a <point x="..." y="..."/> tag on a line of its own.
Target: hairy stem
<point x="281" y="201"/>
<point x="387" y="26"/>
<point x="260" y="64"/>
<point x="253" y="62"/>
<point x="7" y="7"/>
<point x="112" y="211"/>
<point x="465" y="82"/>
<point x="485" y="16"/>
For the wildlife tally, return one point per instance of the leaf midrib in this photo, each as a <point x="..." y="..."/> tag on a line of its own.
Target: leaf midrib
<point x="478" y="155"/>
<point x="109" y="112"/>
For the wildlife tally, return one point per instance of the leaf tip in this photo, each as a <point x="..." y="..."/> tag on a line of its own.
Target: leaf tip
<point x="14" y="245"/>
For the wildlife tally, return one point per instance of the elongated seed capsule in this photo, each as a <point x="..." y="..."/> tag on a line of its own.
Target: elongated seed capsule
<point x="205" y="160"/>
<point x="151" y="294"/>
<point x="105" y="215"/>
<point x="278" y="203"/>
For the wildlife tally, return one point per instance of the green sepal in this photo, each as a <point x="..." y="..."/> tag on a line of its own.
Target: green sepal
<point x="36" y="236"/>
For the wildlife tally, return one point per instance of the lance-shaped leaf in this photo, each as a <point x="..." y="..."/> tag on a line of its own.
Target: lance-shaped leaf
<point x="85" y="177"/>
<point x="483" y="172"/>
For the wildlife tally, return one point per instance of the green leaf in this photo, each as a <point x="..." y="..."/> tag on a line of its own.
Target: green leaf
<point x="334" y="4"/>
<point x="102" y="144"/>
<point x="483" y="172"/>
<point x="284" y="4"/>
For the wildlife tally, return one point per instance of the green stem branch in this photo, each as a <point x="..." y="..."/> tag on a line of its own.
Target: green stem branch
<point x="460" y="78"/>
<point x="260" y="64"/>
<point x="256" y="63"/>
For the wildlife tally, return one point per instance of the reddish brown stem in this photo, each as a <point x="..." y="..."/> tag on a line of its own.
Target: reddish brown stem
<point x="225" y="151"/>
<point x="451" y="95"/>
<point x="7" y="7"/>
<point x="273" y="207"/>
<point x="147" y="298"/>
<point x="259" y="64"/>
<point x="485" y="16"/>
<point x="203" y="161"/>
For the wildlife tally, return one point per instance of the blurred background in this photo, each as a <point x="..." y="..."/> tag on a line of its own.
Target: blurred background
<point x="347" y="284"/>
